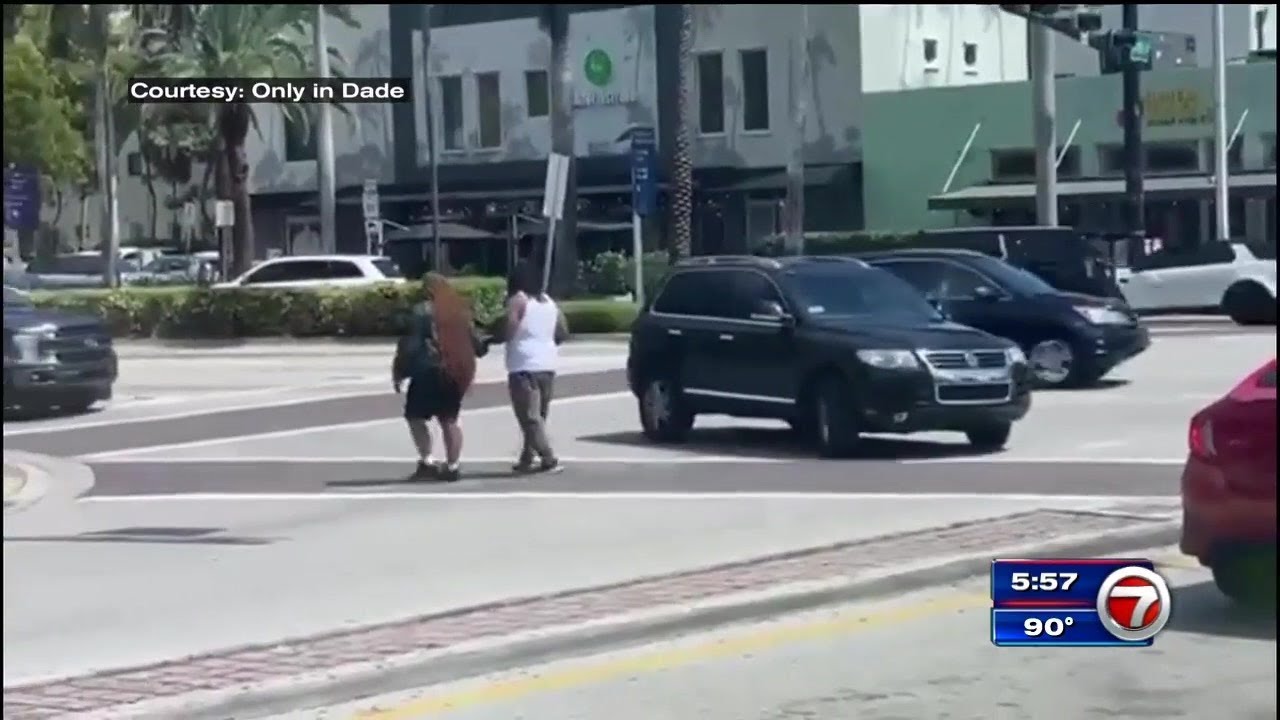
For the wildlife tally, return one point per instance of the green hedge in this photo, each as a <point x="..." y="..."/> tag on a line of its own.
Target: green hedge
<point x="613" y="273"/>
<point x="376" y="311"/>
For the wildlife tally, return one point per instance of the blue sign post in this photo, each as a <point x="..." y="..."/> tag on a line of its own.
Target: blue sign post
<point x="21" y="197"/>
<point x="644" y="165"/>
<point x="644" y="196"/>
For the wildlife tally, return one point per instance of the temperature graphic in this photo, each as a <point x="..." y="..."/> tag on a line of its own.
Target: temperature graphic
<point x="1121" y="602"/>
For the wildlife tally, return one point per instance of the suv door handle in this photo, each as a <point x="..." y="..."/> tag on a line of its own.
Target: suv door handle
<point x="674" y="332"/>
<point x="726" y="336"/>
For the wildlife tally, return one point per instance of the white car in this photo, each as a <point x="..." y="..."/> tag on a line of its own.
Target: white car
<point x="317" y="271"/>
<point x="1217" y="275"/>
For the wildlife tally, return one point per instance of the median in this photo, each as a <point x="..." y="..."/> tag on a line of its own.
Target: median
<point x="372" y="311"/>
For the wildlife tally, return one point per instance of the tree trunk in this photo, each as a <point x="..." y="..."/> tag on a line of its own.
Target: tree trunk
<point x="234" y="129"/>
<point x="681" y="205"/>
<point x="148" y="179"/>
<point x="565" y="260"/>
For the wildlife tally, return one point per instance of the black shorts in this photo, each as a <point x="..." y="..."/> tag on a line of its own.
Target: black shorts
<point x="432" y="396"/>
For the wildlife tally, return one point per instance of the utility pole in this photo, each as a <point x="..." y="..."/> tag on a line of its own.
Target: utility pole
<point x="324" y="143"/>
<point x="1134" y="160"/>
<point x="1043" y="114"/>
<point x="1221" y="173"/>
<point x="793" y="214"/>
<point x="429" y="83"/>
<point x="110" y="183"/>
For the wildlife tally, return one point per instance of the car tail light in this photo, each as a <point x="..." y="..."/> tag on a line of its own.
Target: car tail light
<point x="1200" y="437"/>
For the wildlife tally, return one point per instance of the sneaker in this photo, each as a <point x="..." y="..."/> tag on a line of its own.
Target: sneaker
<point x="425" y="471"/>
<point x="524" y="465"/>
<point x="450" y="473"/>
<point x="550" y="467"/>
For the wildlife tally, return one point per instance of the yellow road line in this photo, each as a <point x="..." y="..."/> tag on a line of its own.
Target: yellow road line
<point x="588" y="673"/>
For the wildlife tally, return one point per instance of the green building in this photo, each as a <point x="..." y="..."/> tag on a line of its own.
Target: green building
<point x="913" y="141"/>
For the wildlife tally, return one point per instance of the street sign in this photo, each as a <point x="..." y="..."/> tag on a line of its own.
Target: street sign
<point x="21" y="197"/>
<point x="373" y="236"/>
<point x="1140" y="51"/>
<point x="554" y="191"/>
<point x="372" y="204"/>
<point x="224" y="214"/>
<point x="644" y="181"/>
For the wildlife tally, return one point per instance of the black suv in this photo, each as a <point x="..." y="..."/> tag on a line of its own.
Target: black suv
<point x="1070" y="339"/>
<point x="829" y="344"/>
<point x="54" y="359"/>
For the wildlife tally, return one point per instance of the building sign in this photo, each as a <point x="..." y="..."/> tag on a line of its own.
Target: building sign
<point x="600" y="85"/>
<point x="1169" y="108"/>
<point x="21" y="197"/>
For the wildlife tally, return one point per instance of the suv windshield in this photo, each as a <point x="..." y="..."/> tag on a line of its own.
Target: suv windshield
<point x="1013" y="278"/>
<point x="826" y="291"/>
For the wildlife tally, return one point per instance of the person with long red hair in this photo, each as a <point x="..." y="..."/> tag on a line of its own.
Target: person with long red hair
<point x="437" y="355"/>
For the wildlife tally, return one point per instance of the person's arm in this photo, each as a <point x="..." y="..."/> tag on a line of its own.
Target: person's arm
<point x="515" y="313"/>
<point x="562" y="327"/>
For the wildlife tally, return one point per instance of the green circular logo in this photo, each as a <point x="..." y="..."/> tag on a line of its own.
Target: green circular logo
<point x="598" y="68"/>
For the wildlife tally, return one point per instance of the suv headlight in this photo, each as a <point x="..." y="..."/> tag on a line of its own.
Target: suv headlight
<point x="889" y="359"/>
<point x="26" y="344"/>
<point x="1102" y="316"/>
<point x="1015" y="355"/>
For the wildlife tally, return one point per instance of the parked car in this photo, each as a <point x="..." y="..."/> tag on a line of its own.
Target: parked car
<point x="1069" y="259"/>
<point x="832" y="345"/>
<point x="75" y="270"/>
<point x="1229" y="488"/>
<point x="54" y="359"/>
<point x="305" y="271"/>
<point x="1069" y="339"/>
<point x="1231" y="277"/>
<point x="165" y="270"/>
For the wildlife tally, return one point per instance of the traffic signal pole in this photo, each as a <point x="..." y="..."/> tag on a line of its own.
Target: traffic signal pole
<point x="1134" y="161"/>
<point x="1044" y="122"/>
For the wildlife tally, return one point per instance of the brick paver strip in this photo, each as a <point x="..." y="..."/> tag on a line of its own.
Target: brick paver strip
<point x="244" y="666"/>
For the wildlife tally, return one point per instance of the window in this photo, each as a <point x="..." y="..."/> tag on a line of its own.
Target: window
<point x="838" y="289"/>
<point x="711" y="93"/>
<point x="752" y="292"/>
<point x="695" y="293"/>
<point x="299" y="139"/>
<point x="289" y="271"/>
<point x="1020" y="163"/>
<point x="930" y="51"/>
<point x="762" y="221"/>
<point x="387" y="267"/>
<point x="134" y="163"/>
<point x="451" y="109"/>
<point x="925" y="277"/>
<point x="537" y="93"/>
<point x="1166" y="157"/>
<point x="961" y="283"/>
<point x="755" y="90"/>
<point x="970" y="54"/>
<point x="342" y="269"/>
<point x="489" y="105"/>
<point x="1269" y="151"/>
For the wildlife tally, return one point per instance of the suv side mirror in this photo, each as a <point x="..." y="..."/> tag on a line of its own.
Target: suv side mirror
<point x="983" y="292"/>
<point x="771" y="310"/>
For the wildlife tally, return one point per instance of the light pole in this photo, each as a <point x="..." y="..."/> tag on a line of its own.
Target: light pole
<point x="793" y="214"/>
<point x="1044" y="121"/>
<point x="429" y="99"/>
<point x="1221" y="197"/>
<point x="324" y="142"/>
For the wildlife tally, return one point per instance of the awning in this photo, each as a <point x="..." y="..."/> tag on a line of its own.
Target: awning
<point x="814" y="176"/>
<point x="1254" y="184"/>
<point x="487" y="195"/>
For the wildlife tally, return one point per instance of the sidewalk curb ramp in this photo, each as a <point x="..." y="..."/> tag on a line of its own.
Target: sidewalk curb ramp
<point x="1104" y="533"/>
<point x="48" y="480"/>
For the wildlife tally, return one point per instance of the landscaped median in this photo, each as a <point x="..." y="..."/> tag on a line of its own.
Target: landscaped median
<point x="374" y="311"/>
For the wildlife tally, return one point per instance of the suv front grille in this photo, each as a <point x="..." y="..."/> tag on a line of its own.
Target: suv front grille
<point x="966" y="360"/>
<point x="84" y="344"/>
<point x="963" y="394"/>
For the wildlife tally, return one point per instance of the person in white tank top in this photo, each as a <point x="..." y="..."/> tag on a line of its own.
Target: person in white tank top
<point x="535" y="327"/>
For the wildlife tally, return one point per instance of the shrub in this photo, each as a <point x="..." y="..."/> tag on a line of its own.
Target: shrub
<point x="196" y="312"/>
<point x="613" y="273"/>
<point x="590" y="317"/>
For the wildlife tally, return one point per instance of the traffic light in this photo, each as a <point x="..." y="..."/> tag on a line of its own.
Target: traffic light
<point x="1126" y="48"/>
<point x="1076" y="21"/>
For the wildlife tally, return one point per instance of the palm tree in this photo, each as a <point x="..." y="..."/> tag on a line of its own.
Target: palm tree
<point x="681" y="206"/>
<point x="554" y="21"/>
<point x="245" y="41"/>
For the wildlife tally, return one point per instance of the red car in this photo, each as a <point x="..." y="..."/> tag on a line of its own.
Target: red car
<point x="1229" y="488"/>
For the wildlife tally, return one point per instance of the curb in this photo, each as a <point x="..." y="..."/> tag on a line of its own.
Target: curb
<point x="342" y="685"/>
<point x="15" y="479"/>
<point x="48" y="479"/>
<point x="31" y="487"/>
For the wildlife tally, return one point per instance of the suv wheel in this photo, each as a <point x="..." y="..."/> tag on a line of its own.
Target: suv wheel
<point x="834" y="418"/>
<point x="989" y="437"/>
<point x="664" y="417"/>
<point x="1248" y="303"/>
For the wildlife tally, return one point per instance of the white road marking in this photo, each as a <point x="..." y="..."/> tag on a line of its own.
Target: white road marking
<point x="1104" y="444"/>
<point x="294" y="432"/>
<point x="344" y="496"/>
<point x="466" y="461"/>
<point x="12" y="430"/>
<point x="1050" y="460"/>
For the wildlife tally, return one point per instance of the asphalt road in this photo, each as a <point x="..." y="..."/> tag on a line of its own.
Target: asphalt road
<point x="926" y="655"/>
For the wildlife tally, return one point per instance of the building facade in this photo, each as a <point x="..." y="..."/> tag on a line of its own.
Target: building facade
<point x="487" y="68"/>
<point x="984" y="146"/>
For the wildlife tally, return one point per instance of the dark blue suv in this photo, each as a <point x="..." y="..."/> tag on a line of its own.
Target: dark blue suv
<point x="1070" y="339"/>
